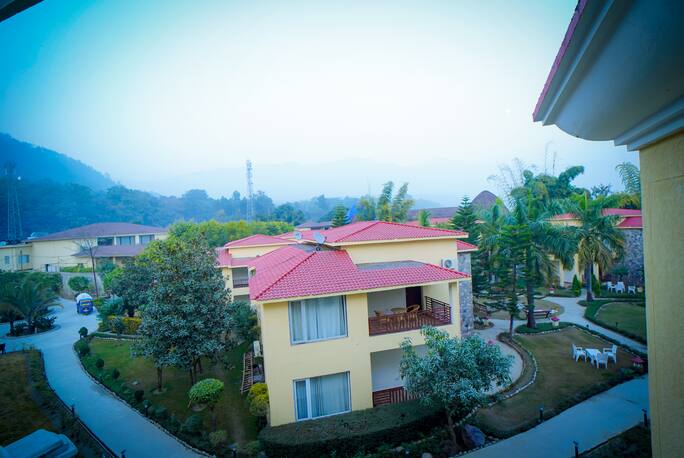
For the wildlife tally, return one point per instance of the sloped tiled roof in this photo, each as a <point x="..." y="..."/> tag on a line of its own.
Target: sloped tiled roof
<point x="626" y="212"/>
<point x="465" y="246"/>
<point x="225" y="259"/>
<point x="101" y="230"/>
<point x="291" y="272"/>
<point x="257" y="240"/>
<point x="368" y="231"/>
<point x="631" y="222"/>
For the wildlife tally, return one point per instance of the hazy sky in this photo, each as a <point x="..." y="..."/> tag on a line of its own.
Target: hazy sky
<point x="152" y="90"/>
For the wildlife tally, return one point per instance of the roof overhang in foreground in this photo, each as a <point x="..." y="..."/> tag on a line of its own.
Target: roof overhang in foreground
<point x="618" y="73"/>
<point x="9" y="8"/>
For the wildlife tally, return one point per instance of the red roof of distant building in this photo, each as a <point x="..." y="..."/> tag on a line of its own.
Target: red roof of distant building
<point x="433" y="221"/>
<point x="631" y="222"/>
<point x="292" y="272"/>
<point x="258" y="240"/>
<point x="369" y="231"/>
<point x="465" y="246"/>
<point x="606" y="212"/>
<point x="225" y="259"/>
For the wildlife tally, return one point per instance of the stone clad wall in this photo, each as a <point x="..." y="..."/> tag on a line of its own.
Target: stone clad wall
<point x="634" y="256"/>
<point x="465" y="292"/>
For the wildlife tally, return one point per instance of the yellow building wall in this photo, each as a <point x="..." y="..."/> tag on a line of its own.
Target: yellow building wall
<point x="662" y="189"/>
<point x="58" y="253"/>
<point x="429" y="251"/>
<point x="14" y="251"/>
<point x="251" y="252"/>
<point x="285" y="362"/>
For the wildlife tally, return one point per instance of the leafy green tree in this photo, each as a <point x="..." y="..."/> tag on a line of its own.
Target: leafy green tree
<point x="631" y="180"/>
<point x="599" y="241"/>
<point x="454" y="374"/>
<point x="79" y="284"/>
<point x="31" y="299"/>
<point x="207" y="392"/>
<point x="243" y="321"/>
<point x="339" y="216"/>
<point x="367" y="209"/>
<point x="187" y="311"/>
<point x="424" y="218"/>
<point x="289" y="214"/>
<point x="218" y="234"/>
<point x="132" y="283"/>
<point x="465" y="219"/>
<point x="388" y="206"/>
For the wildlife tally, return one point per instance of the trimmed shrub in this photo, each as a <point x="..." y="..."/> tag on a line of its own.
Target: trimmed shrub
<point x="160" y="412"/>
<point x="576" y="286"/>
<point x="82" y="348"/>
<point x="217" y="438"/>
<point x="83" y="332"/>
<point x="129" y="325"/>
<point x="207" y="391"/>
<point x="115" y="373"/>
<point x="79" y="284"/>
<point x="595" y="286"/>
<point x="139" y="395"/>
<point x="192" y="425"/>
<point x="351" y="433"/>
<point x="110" y="307"/>
<point x="258" y="400"/>
<point x="99" y="363"/>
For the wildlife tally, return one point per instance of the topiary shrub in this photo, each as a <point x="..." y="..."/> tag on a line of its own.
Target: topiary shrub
<point x="595" y="286"/>
<point x="79" y="284"/>
<point x="576" y="286"/>
<point x="161" y="412"/>
<point x="82" y="348"/>
<point x="217" y="438"/>
<point x="115" y="373"/>
<point x="258" y="400"/>
<point x="83" y="332"/>
<point x="139" y="395"/>
<point x="99" y="363"/>
<point x="192" y="425"/>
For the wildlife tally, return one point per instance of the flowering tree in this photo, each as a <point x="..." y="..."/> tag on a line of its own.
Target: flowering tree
<point x="454" y="373"/>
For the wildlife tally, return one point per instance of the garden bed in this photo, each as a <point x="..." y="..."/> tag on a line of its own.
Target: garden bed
<point x="170" y="408"/>
<point x="633" y="443"/>
<point x="28" y="403"/>
<point x="560" y="383"/>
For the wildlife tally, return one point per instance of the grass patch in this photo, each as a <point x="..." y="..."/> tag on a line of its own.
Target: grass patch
<point x="540" y="304"/>
<point x="560" y="384"/>
<point x="626" y="318"/>
<point x="633" y="443"/>
<point x="170" y="408"/>
<point x="541" y="327"/>
<point x="557" y="292"/>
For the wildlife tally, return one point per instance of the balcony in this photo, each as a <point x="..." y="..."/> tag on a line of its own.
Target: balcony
<point x="432" y="313"/>
<point x="391" y="396"/>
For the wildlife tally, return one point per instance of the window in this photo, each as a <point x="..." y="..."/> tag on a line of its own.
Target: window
<point x="145" y="239"/>
<point x="318" y="319"/>
<point x="23" y="259"/>
<point x="7" y="260"/>
<point x="105" y="241"/>
<point x="322" y="396"/>
<point x="126" y="240"/>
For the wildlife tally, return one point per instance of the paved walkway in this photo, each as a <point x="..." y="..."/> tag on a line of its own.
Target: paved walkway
<point x="113" y="421"/>
<point x="516" y="368"/>
<point x="590" y="423"/>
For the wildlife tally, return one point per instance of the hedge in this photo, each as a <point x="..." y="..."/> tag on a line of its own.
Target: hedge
<point x="132" y="324"/>
<point x="348" y="434"/>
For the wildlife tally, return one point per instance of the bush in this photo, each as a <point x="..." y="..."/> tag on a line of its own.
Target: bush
<point x="595" y="286"/>
<point x="206" y="391"/>
<point x="20" y="328"/>
<point x="160" y="412"/>
<point x="351" y="433"/>
<point x="192" y="425"/>
<point x="44" y="323"/>
<point x="258" y="400"/>
<point x="82" y="348"/>
<point x="576" y="286"/>
<point x="217" y="438"/>
<point x="83" y="332"/>
<point x="79" y="284"/>
<point x="117" y="325"/>
<point x="139" y="395"/>
<point x="129" y="325"/>
<point x="243" y="321"/>
<point x="99" y="363"/>
<point x="115" y="373"/>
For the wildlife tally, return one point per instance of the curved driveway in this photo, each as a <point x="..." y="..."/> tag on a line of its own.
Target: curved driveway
<point x="113" y="421"/>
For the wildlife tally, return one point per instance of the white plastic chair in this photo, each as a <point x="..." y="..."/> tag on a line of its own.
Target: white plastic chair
<point x="620" y="287"/>
<point x="601" y="358"/>
<point x="611" y="353"/>
<point x="577" y="352"/>
<point x="610" y="286"/>
<point x="631" y="290"/>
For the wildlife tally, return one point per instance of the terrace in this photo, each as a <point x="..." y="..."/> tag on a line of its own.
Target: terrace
<point x="405" y="309"/>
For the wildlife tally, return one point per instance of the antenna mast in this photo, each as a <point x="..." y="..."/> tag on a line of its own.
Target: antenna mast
<point x="14" y="230"/>
<point x="250" y="192"/>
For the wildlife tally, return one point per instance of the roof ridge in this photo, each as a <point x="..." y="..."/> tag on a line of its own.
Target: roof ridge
<point x="424" y="227"/>
<point x="373" y="223"/>
<point x="285" y="274"/>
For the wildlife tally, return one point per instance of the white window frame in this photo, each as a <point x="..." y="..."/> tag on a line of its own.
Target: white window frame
<point x="150" y="240"/>
<point x="8" y="260"/>
<point x="308" y="396"/>
<point x="304" y="330"/>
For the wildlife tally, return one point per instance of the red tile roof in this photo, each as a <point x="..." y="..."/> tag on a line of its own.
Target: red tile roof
<point x="225" y="259"/>
<point x="631" y="222"/>
<point x="368" y="231"/>
<point x="465" y="246"/>
<point x="258" y="240"/>
<point x="606" y="212"/>
<point x="290" y="272"/>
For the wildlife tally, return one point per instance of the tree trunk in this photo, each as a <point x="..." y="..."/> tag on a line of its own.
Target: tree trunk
<point x="11" y="322"/>
<point x="192" y="376"/>
<point x="159" y="379"/>
<point x="590" y="278"/>
<point x="531" y="322"/>
<point x="199" y="366"/>
<point x="92" y="261"/>
<point x="510" y="326"/>
<point x="450" y="425"/>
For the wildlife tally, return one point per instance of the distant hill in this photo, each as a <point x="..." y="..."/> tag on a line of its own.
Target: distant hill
<point x="36" y="163"/>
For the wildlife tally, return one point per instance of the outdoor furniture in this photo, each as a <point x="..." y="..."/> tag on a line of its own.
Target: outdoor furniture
<point x="592" y="354"/>
<point x="611" y="353"/>
<point x="631" y="290"/>
<point x="540" y="313"/>
<point x="610" y="286"/>
<point x="577" y="352"/>
<point x="601" y="358"/>
<point x="398" y="310"/>
<point x="620" y="287"/>
<point x="412" y="308"/>
<point x="378" y="313"/>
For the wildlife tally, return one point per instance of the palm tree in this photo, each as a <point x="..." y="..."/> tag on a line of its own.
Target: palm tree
<point x="598" y="240"/>
<point x="31" y="299"/>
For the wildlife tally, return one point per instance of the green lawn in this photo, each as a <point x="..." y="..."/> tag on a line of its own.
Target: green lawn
<point x="542" y="304"/>
<point x="19" y="414"/>
<point x="560" y="382"/>
<point x="624" y="316"/>
<point x="139" y="374"/>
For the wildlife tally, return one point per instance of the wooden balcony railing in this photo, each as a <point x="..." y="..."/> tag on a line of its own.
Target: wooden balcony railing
<point x="390" y="396"/>
<point x="240" y="283"/>
<point x="435" y="313"/>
